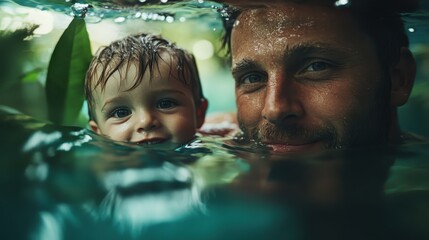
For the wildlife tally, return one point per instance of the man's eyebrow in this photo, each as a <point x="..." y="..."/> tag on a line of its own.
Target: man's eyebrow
<point x="245" y="65"/>
<point x="304" y="49"/>
<point x="294" y="52"/>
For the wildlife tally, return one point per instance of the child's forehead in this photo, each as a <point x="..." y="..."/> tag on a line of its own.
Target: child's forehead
<point x="166" y="65"/>
<point x="166" y="54"/>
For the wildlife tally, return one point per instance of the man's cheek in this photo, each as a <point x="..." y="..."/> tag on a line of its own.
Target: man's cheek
<point x="249" y="115"/>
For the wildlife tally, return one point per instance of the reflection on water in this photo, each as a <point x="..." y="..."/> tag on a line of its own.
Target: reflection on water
<point x="120" y="11"/>
<point x="67" y="183"/>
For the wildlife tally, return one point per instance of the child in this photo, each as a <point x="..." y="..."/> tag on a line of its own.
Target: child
<point x="145" y="90"/>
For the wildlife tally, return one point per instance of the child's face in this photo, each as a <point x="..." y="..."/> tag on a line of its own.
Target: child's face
<point x="158" y="111"/>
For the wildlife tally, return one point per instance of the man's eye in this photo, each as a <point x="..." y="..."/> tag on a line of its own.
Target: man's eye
<point x="166" y="104"/>
<point x="318" y="66"/>
<point x="121" y="113"/>
<point x="252" y="78"/>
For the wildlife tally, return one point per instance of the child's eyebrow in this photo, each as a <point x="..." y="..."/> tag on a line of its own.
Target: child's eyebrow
<point x="110" y="101"/>
<point x="155" y="92"/>
<point x="163" y="91"/>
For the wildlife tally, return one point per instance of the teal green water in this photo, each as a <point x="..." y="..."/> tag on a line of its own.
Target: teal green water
<point x="68" y="183"/>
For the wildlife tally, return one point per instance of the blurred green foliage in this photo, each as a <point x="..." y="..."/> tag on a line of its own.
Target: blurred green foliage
<point x="19" y="89"/>
<point x="12" y="48"/>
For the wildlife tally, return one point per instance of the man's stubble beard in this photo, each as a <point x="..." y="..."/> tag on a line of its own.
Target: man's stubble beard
<point x="359" y="130"/>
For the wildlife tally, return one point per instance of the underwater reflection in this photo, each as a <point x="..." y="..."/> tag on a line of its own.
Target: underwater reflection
<point x="68" y="183"/>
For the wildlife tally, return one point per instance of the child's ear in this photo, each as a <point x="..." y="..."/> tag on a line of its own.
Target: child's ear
<point x="201" y="112"/>
<point x="402" y="77"/>
<point x="94" y="127"/>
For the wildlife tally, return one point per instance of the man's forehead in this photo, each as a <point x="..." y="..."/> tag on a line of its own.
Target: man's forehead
<point x="273" y="24"/>
<point x="268" y="31"/>
<point x="291" y="20"/>
<point x="290" y="17"/>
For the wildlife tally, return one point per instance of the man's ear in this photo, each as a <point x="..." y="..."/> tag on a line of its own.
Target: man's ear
<point x="94" y="127"/>
<point x="402" y="77"/>
<point x="201" y="112"/>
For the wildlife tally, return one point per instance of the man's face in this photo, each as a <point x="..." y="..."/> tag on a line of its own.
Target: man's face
<point x="158" y="110"/>
<point x="308" y="78"/>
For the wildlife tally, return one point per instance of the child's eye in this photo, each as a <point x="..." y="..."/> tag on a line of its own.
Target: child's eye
<point x="120" y="113"/>
<point x="166" y="104"/>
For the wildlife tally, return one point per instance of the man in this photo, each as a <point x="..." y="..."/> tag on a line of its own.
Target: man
<point x="312" y="77"/>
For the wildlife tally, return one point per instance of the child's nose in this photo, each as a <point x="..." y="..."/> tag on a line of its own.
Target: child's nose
<point x="147" y="122"/>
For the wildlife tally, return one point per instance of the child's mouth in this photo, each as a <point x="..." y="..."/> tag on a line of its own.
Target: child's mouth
<point x="150" y="141"/>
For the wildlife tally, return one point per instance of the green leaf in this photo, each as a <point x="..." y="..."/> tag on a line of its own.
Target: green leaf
<point x="66" y="74"/>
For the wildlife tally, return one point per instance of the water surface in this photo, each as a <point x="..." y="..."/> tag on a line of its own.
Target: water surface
<point x="68" y="183"/>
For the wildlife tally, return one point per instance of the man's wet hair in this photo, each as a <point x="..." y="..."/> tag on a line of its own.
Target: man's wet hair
<point x="381" y="20"/>
<point x="144" y="51"/>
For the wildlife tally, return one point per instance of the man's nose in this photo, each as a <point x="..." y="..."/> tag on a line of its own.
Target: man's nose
<point x="146" y="121"/>
<point x="282" y="100"/>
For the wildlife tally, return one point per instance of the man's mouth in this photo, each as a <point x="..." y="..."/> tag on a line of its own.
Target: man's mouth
<point x="293" y="146"/>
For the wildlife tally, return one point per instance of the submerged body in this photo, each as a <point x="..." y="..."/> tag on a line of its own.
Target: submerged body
<point x="69" y="183"/>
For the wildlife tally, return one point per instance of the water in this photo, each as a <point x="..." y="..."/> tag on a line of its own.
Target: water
<point x="68" y="183"/>
<point x="147" y="10"/>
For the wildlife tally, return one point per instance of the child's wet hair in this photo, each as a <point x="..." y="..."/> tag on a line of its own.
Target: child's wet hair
<point x="144" y="51"/>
